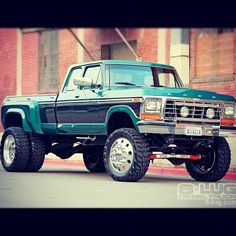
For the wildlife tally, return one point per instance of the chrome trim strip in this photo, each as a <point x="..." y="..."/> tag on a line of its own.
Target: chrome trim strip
<point x="179" y="129"/>
<point x="196" y="120"/>
<point x="99" y="101"/>
<point x="193" y="104"/>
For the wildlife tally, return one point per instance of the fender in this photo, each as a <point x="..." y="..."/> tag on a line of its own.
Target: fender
<point x="123" y="108"/>
<point x="29" y="113"/>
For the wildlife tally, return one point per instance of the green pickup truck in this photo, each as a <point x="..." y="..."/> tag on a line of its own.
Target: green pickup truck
<point x="121" y="115"/>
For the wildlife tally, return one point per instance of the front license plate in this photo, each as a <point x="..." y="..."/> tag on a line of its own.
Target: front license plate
<point x="193" y="131"/>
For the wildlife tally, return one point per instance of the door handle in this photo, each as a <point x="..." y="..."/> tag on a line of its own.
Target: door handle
<point x="77" y="96"/>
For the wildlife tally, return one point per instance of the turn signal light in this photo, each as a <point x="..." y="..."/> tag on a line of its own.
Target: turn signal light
<point x="227" y="122"/>
<point x="147" y="116"/>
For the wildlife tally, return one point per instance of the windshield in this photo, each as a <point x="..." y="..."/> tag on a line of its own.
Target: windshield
<point x="126" y="75"/>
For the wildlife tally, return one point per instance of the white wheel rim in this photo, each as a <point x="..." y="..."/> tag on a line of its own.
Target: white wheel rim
<point x="121" y="155"/>
<point x="9" y="149"/>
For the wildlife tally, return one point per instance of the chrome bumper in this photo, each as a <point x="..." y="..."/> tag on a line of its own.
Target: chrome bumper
<point x="159" y="127"/>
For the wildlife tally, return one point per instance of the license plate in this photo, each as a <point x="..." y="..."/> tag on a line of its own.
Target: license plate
<point x="193" y="131"/>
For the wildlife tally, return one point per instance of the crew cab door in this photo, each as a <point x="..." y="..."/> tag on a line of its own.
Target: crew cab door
<point x="76" y="106"/>
<point x="68" y="95"/>
<point x="85" y="109"/>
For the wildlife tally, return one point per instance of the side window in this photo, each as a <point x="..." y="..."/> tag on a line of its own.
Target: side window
<point x="166" y="79"/>
<point x="95" y="73"/>
<point x="75" y="74"/>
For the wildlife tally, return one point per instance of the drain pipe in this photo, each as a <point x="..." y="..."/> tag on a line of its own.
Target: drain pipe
<point x="127" y="44"/>
<point x="81" y="44"/>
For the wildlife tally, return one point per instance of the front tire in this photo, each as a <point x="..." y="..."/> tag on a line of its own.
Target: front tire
<point x="126" y="155"/>
<point x="213" y="165"/>
<point x="15" y="149"/>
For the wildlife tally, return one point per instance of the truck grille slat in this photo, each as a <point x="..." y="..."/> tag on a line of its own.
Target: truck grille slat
<point x="197" y="111"/>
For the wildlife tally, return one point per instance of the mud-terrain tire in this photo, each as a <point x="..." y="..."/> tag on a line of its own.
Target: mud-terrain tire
<point x="37" y="153"/>
<point x="217" y="161"/>
<point x="15" y="149"/>
<point x="93" y="159"/>
<point x="126" y="155"/>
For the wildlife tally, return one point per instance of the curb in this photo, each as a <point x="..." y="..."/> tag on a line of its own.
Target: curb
<point x="155" y="170"/>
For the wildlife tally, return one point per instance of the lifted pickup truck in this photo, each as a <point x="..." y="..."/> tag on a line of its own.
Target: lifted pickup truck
<point x="121" y="115"/>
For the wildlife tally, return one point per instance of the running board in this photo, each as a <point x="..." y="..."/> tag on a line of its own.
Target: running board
<point x="161" y="155"/>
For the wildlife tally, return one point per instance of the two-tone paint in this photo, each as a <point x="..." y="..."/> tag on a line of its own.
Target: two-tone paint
<point x="87" y="111"/>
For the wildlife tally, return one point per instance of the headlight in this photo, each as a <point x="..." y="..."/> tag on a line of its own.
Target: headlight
<point x="229" y="110"/>
<point x="153" y="105"/>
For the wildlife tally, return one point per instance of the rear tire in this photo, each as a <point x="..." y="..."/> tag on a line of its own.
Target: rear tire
<point x="37" y="153"/>
<point x="93" y="159"/>
<point x="15" y="151"/>
<point x="213" y="165"/>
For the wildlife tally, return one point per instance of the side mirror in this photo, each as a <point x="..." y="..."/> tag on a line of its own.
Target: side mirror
<point x="83" y="81"/>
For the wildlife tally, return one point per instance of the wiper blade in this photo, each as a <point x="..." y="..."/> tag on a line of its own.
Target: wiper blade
<point x="127" y="83"/>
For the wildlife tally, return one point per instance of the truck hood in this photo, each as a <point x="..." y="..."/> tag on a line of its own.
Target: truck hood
<point x="168" y="92"/>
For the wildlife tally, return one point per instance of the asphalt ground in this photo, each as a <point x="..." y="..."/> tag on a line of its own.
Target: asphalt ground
<point x="67" y="184"/>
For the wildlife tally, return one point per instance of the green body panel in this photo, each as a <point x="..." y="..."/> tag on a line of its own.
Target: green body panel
<point x="29" y="112"/>
<point x="82" y="129"/>
<point x="28" y="108"/>
<point x="50" y="129"/>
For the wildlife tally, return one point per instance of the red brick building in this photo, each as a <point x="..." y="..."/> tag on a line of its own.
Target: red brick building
<point x="36" y="60"/>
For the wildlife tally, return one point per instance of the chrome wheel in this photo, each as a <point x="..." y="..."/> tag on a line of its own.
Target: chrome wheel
<point x="9" y="149"/>
<point x="121" y="155"/>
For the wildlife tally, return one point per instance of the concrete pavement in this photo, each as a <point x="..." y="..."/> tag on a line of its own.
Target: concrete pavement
<point x="64" y="186"/>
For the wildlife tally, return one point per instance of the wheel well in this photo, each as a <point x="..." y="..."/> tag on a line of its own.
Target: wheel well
<point x="13" y="120"/>
<point x="119" y="120"/>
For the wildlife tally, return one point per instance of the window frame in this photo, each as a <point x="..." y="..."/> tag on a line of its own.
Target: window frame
<point x="99" y="73"/>
<point x="68" y="77"/>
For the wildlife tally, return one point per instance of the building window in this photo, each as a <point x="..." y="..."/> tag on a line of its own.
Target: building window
<point x="212" y="31"/>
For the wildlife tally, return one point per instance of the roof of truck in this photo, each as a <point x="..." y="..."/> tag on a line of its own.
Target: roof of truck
<point x="126" y="62"/>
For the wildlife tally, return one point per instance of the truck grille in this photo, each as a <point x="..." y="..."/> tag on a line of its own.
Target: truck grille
<point x="197" y="111"/>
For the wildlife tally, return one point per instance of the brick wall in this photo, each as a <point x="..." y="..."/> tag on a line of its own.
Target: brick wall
<point x="146" y="41"/>
<point x="147" y="44"/>
<point x="212" y="62"/>
<point x="30" y="63"/>
<point x="8" y="45"/>
<point x="167" y="46"/>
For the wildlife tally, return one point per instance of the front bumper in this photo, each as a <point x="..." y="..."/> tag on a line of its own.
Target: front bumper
<point x="160" y="127"/>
